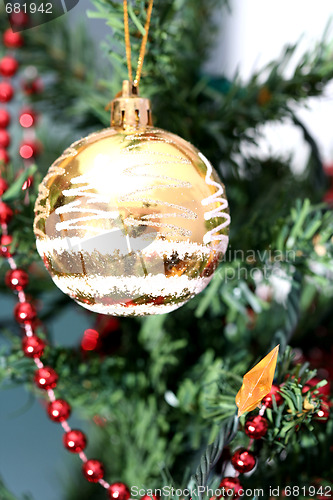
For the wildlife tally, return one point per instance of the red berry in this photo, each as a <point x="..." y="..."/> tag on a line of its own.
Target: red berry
<point x="6" y="92"/>
<point x="148" y="497"/>
<point x="243" y="460"/>
<point x="6" y="213"/>
<point x="268" y="400"/>
<point x="119" y="491"/>
<point x="4" y="156"/>
<point x="24" y="312"/>
<point x="75" y="441"/>
<point x="16" y="279"/>
<point x="28" y="183"/>
<point x="27" y="118"/>
<point x="46" y="378"/>
<point x="4" y="118"/>
<point x="29" y="149"/>
<point x="5" y="242"/>
<point x="93" y="470"/>
<point x="4" y="139"/>
<point x="232" y="487"/>
<point x="33" y="347"/>
<point x="12" y="40"/>
<point x="3" y="186"/>
<point x="59" y="410"/>
<point x="8" y="66"/>
<point x="256" y="427"/>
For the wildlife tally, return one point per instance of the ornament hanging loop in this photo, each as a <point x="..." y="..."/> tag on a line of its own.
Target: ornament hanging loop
<point x="137" y="78"/>
<point x="129" y="110"/>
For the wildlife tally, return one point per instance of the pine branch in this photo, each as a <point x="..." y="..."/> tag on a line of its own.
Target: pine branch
<point x="213" y="453"/>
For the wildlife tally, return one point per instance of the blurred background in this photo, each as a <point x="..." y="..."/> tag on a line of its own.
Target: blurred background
<point x="251" y="35"/>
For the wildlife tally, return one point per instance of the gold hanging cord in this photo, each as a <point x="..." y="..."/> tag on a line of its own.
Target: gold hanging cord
<point x="143" y="44"/>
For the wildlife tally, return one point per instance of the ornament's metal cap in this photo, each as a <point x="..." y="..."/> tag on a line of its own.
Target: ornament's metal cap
<point x="129" y="110"/>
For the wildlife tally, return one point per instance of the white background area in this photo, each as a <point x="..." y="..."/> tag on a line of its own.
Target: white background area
<point x="254" y="34"/>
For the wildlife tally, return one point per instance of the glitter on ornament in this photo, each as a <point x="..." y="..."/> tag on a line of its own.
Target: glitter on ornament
<point x="131" y="220"/>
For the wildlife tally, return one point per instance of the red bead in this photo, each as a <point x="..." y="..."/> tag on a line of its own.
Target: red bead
<point x="28" y="183"/>
<point x="90" y="340"/>
<point x="16" y="279"/>
<point x="75" y="441"/>
<point x="93" y="470"/>
<point x="5" y="242"/>
<point x="46" y="378"/>
<point x="3" y="186"/>
<point x="8" y="66"/>
<point x="24" y="312"/>
<point x="19" y="19"/>
<point x="4" y="118"/>
<point x="33" y="347"/>
<point x="4" y="139"/>
<point x="232" y="487"/>
<point x="324" y="390"/>
<point x="268" y="400"/>
<point x="6" y="92"/>
<point x="27" y="118"/>
<point x="119" y="491"/>
<point x="6" y="213"/>
<point x="4" y="156"/>
<point x="59" y="410"/>
<point x="12" y="40"/>
<point x="29" y="149"/>
<point x="256" y="427"/>
<point x="243" y="460"/>
<point x="30" y="87"/>
<point x="323" y="413"/>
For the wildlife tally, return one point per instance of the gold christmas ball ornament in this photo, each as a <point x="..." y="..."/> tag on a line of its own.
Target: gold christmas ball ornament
<point x="131" y="220"/>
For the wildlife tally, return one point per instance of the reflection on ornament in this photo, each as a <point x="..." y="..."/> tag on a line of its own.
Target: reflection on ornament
<point x="131" y="220"/>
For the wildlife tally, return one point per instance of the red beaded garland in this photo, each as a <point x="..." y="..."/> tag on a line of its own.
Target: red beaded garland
<point x="6" y="92"/>
<point x="4" y="156"/>
<point x="24" y="312"/>
<point x="75" y="441"/>
<point x="119" y="491"/>
<point x="3" y="186"/>
<point x="268" y="400"/>
<point x="243" y="460"/>
<point x="4" y="118"/>
<point x="8" y="66"/>
<point x="12" y="40"/>
<point x="5" y="242"/>
<point x="6" y="213"/>
<point x="93" y="470"/>
<point x="46" y="378"/>
<point x="256" y="427"/>
<point x="59" y="410"/>
<point x="4" y="138"/>
<point x="16" y="279"/>
<point x="33" y="347"/>
<point x="231" y="483"/>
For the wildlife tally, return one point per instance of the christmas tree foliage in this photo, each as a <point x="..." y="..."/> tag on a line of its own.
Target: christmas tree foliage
<point x="163" y="388"/>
